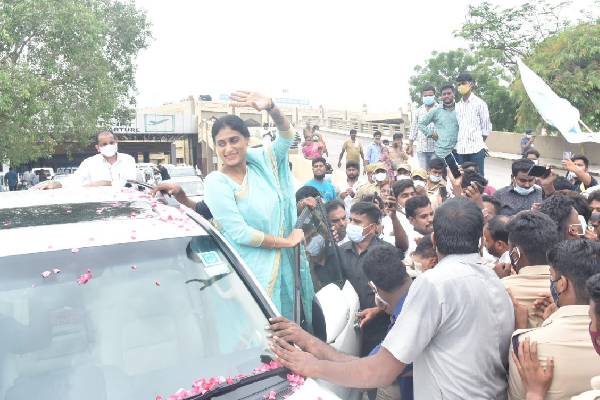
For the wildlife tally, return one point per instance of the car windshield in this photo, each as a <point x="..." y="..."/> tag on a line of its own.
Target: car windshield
<point x="195" y="188"/>
<point x="125" y="321"/>
<point x="182" y="171"/>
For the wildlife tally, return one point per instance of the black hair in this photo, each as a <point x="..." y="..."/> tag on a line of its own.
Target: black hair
<point x="562" y="183"/>
<point x="334" y="205"/>
<point x="101" y="133"/>
<point x="397" y="136"/>
<point x="376" y="133"/>
<point x="425" y="247"/>
<point x="494" y="201"/>
<point x="383" y="266"/>
<point x="472" y="176"/>
<point x="414" y="203"/>
<point x="558" y="208"/>
<point x="521" y="165"/>
<point x="580" y="204"/>
<point x="594" y="196"/>
<point x="447" y="86"/>
<point x="369" y="209"/>
<point x="593" y="289"/>
<point x="437" y="163"/>
<point x="319" y="160"/>
<point x="531" y="151"/>
<point x="498" y="228"/>
<point x="315" y="128"/>
<point x="535" y="233"/>
<point x="457" y="227"/>
<point x="232" y="122"/>
<point x="306" y="191"/>
<point x="583" y="158"/>
<point x="352" y="164"/>
<point x="401" y="185"/>
<point x="353" y="131"/>
<point x="428" y="88"/>
<point x="577" y="260"/>
<point x="469" y="164"/>
<point x="464" y="77"/>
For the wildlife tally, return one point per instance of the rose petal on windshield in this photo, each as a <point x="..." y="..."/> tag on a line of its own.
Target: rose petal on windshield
<point x="56" y="271"/>
<point x="157" y="283"/>
<point x="85" y="278"/>
<point x="46" y="274"/>
<point x="75" y="250"/>
<point x="272" y="395"/>
<point x="134" y="266"/>
<point x="159" y="397"/>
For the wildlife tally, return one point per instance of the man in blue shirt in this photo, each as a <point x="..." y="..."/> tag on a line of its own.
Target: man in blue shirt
<point x="390" y="284"/>
<point x="325" y="188"/>
<point x="12" y="179"/>
<point x="374" y="150"/>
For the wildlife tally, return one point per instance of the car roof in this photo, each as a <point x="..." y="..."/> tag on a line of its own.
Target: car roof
<point x="35" y="221"/>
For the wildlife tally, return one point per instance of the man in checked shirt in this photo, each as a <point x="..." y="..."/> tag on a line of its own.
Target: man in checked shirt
<point x="474" y="123"/>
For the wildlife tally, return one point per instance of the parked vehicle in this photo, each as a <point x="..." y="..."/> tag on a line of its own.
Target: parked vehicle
<point x="49" y="171"/>
<point x="193" y="186"/>
<point x="180" y="170"/>
<point x="109" y="295"/>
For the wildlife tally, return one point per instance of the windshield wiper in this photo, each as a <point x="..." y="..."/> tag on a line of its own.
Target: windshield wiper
<point x="221" y="390"/>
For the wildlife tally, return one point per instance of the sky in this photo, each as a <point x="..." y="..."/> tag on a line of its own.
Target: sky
<point x="339" y="54"/>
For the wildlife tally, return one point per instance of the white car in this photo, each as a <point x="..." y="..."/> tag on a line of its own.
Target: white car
<point x="193" y="186"/>
<point x="108" y="294"/>
<point x="180" y="171"/>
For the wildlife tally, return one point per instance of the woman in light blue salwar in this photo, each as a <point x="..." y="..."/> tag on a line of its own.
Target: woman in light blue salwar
<point x="252" y="202"/>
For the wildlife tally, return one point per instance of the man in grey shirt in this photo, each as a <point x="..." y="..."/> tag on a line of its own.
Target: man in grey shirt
<point x="455" y="325"/>
<point x="522" y="193"/>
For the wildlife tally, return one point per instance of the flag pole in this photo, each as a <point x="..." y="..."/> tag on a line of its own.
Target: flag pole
<point x="585" y="126"/>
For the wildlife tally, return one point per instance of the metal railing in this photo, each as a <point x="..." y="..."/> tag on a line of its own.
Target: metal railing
<point x="367" y="128"/>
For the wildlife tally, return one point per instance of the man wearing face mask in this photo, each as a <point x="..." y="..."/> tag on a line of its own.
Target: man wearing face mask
<point x="474" y="124"/>
<point x="378" y="178"/>
<point x="362" y="230"/>
<point x="423" y="144"/>
<point x="560" y="208"/>
<point x="530" y="235"/>
<point x="522" y="193"/>
<point x="436" y="185"/>
<point x="495" y="242"/>
<point x="563" y="339"/>
<point x="446" y="124"/>
<point x="107" y="168"/>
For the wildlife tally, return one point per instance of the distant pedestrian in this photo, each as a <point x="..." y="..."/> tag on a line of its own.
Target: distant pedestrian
<point x="397" y="154"/>
<point x="420" y="143"/>
<point x="527" y="141"/>
<point x="353" y="150"/>
<point x="375" y="149"/>
<point x="474" y="124"/>
<point x="12" y="179"/>
<point x="164" y="174"/>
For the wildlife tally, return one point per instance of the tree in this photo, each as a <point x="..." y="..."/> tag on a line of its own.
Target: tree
<point x="443" y="68"/>
<point x="505" y="34"/>
<point x="67" y="68"/>
<point x="569" y="62"/>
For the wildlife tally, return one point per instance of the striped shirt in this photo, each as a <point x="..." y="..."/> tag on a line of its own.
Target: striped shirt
<point x="424" y="144"/>
<point x="473" y="124"/>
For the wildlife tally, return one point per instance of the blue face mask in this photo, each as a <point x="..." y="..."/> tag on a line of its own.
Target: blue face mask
<point x="355" y="232"/>
<point x="524" y="191"/>
<point x="554" y="291"/>
<point x="428" y="100"/>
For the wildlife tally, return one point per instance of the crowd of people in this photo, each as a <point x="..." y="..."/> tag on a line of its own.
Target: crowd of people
<point x="465" y="291"/>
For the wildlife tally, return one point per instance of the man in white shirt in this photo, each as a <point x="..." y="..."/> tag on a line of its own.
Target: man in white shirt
<point x="474" y="124"/>
<point x="455" y="324"/>
<point x="107" y="168"/>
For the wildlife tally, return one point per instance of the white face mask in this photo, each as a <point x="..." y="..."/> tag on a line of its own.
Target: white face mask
<point x="108" y="150"/>
<point x="380" y="176"/>
<point x="435" y="178"/>
<point x="402" y="177"/>
<point x="419" y="183"/>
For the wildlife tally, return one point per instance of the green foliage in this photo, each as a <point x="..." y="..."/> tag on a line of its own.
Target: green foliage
<point x="67" y="68"/>
<point x="505" y="34"/>
<point x="443" y="68"/>
<point x="569" y="62"/>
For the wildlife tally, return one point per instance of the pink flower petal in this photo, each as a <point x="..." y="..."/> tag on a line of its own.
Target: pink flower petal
<point x="75" y="250"/>
<point x="85" y="278"/>
<point x="134" y="266"/>
<point x="157" y="283"/>
<point x="33" y="285"/>
<point x="46" y="274"/>
<point x="133" y="237"/>
<point x="56" y="271"/>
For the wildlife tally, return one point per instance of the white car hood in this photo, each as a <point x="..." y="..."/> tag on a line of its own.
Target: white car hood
<point x="312" y="391"/>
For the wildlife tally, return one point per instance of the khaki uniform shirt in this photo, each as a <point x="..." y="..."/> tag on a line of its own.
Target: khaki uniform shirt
<point x="565" y="337"/>
<point x="526" y="287"/>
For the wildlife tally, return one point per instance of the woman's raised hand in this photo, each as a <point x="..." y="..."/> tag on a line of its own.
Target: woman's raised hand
<point x="251" y="99"/>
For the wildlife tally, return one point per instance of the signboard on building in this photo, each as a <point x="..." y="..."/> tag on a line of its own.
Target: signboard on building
<point x="125" y="129"/>
<point x="159" y="123"/>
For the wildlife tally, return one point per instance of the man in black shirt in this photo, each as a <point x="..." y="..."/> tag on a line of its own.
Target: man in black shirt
<point x="362" y="231"/>
<point x="578" y="173"/>
<point x="522" y="193"/>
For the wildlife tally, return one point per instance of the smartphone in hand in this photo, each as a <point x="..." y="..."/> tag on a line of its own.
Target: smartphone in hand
<point x="453" y="165"/>
<point x="539" y="171"/>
